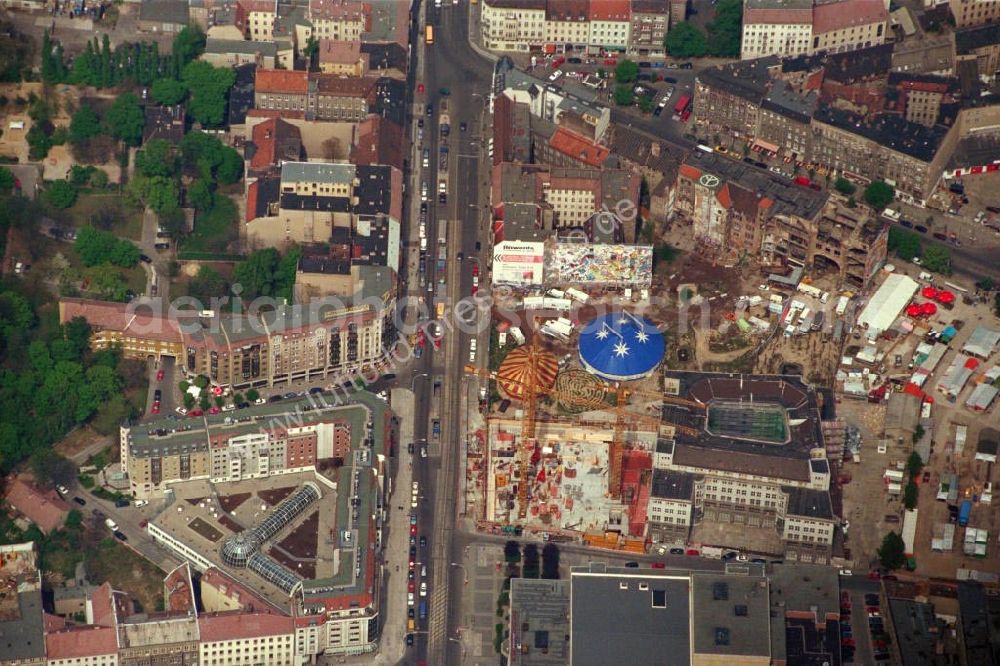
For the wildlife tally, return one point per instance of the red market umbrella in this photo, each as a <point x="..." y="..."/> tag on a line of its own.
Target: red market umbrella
<point x="929" y="308"/>
<point x="945" y="297"/>
<point x="929" y="292"/>
<point x="913" y="310"/>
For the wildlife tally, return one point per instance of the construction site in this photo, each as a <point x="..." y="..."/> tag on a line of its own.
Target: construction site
<point x="595" y="448"/>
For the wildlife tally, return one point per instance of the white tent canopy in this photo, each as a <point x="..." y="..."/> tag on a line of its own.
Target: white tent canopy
<point x="886" y="304"/>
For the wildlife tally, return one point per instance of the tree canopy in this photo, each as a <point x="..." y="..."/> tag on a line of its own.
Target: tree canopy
<point x="626" y="71"/>
<point x="686" y="40"/>
<point x="211" y="158"/>
<point x="892" y="553"/>
<point x="168" y="91"/>
<point x="844" y="186"/>
<point x="207" y="284"/>
<point x="158" y="192"/>
<point x="726" y="30"/>
<point x="49" y="379"/>
<point x="208" y="86"/>
<point x="906" y="244"/>
<point x="623" y="95"/>
<point x="6" y="180"/>
<point x="200" y="196"/>
<point x="266" y="273"/>
<point x="125" y="119"/>
<point x="878" y="195"/>
<point x="158" y="157"/>
<point x="936" y="258"/>
<point x="84" y="125"/>
<point x="59" y="194"/>
<point x="103" y="247"/>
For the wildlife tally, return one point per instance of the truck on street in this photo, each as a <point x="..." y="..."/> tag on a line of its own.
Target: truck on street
<point x="444" y="121"/>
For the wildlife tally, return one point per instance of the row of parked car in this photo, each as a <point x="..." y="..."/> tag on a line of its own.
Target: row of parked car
<point x="876" y="628"/>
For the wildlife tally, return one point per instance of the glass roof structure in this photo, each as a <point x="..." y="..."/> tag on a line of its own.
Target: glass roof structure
<point x="243" y="550"/>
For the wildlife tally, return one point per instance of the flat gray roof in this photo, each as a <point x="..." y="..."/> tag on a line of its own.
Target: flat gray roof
<point x="240" y="46"/>
<point x="670" y="484"/>
<point x="317" y="172"/>
<point x="731" y="615"/>
<point x="22" y="637"/>
<point x="193" y="433"/>
<point x="809" y="503"/>
<point x="916" y="631"/>
<point x="629" y="616"/>
<point x="539" y="622"/>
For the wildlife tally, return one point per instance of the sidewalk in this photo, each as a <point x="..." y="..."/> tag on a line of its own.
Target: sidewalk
<point x="475" y="34"/>
<point x="392" y="646"/>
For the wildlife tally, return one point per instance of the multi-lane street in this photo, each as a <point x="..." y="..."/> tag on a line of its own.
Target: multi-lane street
<point x="450" y="69"/>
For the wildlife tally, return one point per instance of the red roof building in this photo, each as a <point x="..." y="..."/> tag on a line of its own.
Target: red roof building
<point x="238" y="625"/>
<point x="275" y="141"/>
<point x="87" y="642"/>
<point x="281" y="81"/>
<point x="42" y="507"/>
<point x="578" y="147"/>
<point x="378" y="141"/>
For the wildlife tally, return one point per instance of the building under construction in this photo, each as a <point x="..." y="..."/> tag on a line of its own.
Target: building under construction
<point x="728" y="461"/>
<point x="568" y="478"/>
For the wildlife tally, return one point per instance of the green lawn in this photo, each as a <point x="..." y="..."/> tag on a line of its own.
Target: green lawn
<point x="213" y="232"/>
<point x="111" y="561"/>
<point x="129" y="224"/>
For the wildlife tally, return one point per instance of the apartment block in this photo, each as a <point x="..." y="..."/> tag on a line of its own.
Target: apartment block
<point x="310" y="200"/>
<point x="776" y="27"/>
<point x="240" y="351"/>
<point x="981" y="45"/>
<point x="636" y="616"/>
<point x="566" y="197"/>
<point x="796" y="27"/>
<point x="650" y="22"/>
<point x="848" y="25"/>
<point x="514" y="25"/>
<point x="567" y="23"/>
<point x="909" y="156"/>
<point x="974" y="12"/>
<point x="578" y="110"/>
<point x="337" y="20"/>
<point x="342" y="58"/>
<point x="258" y="17"/>
<point x="741" y="209"/>
<point x="610" y="24"/>
<point x="633" y="26"/>
<point x="321" y="95"/>
<point x="901" y="128"/>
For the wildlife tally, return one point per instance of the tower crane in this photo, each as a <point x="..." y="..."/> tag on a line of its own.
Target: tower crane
<point x="623" y="417"/>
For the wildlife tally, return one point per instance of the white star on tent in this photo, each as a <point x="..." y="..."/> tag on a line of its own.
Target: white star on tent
<point x="601" y="334"/>
<point x="642" y="336"/>
<point x="622" y="321"/>
<point x="621" y="349"/>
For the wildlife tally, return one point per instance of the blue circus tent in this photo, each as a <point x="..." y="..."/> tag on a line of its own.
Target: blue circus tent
<point x="620" y="346"/>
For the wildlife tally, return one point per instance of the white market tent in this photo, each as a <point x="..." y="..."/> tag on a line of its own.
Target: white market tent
<point x="886" y="303"/>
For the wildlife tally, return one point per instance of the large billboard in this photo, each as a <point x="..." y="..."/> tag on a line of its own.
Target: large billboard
<point x="518" y="263"/>
<point x="596" y="265"/>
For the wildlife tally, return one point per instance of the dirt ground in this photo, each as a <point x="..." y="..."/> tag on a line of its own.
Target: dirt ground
<point x="66" y="99"/>
<point x="865" y="502"/>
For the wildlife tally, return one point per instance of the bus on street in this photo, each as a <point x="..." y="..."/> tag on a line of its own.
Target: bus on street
<point x="429" y="34"/>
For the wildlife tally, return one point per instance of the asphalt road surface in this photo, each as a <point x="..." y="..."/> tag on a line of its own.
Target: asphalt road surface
<point x="451" y="64"/>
